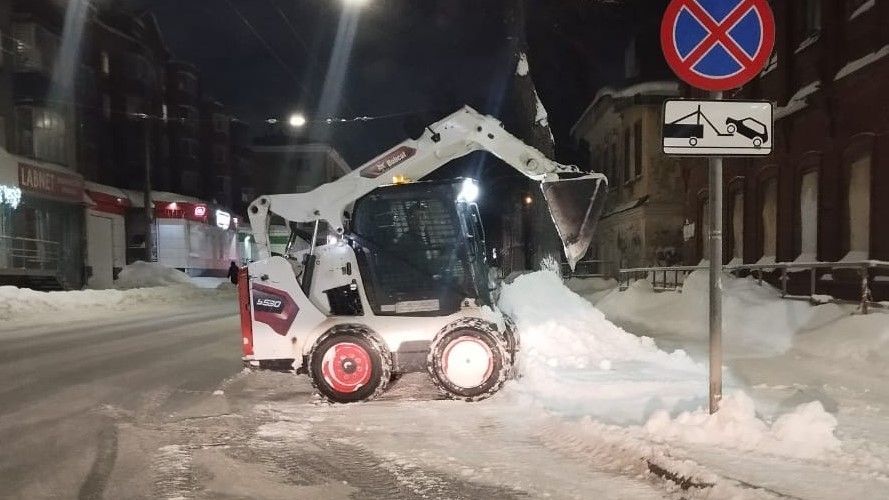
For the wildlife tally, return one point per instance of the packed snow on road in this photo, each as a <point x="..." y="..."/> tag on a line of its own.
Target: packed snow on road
<point x="598" y="412"/>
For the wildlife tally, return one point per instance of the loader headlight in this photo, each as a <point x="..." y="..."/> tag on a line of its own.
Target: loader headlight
<point x="469" y="192"/>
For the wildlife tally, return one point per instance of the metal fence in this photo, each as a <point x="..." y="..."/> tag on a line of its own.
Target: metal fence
<point x="672" y="278"/>
<point x="29" y="254"/>
<point x="589" y="269"/>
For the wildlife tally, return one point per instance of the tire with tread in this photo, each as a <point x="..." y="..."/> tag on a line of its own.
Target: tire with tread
<point x="481" y="331"/>
<point x="380" y="357"/>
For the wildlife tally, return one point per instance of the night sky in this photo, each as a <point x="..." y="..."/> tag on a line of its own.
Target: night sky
<point x="430" y="56"/>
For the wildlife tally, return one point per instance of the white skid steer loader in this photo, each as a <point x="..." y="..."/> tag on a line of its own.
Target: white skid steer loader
<point x="395" y="278"/>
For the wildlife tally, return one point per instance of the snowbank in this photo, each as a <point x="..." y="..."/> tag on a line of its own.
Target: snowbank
<point x="757" y="321"/>
<point x="805" y="432"/>
<point x="575" y="362"/>
<point x="149" y="274"/>
<point x="23" y="304"/>
<point x="140" y="285"/>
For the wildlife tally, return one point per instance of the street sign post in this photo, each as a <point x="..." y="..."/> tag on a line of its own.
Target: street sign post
<point x="717" y="45"/>
<point x="717" y="128"/>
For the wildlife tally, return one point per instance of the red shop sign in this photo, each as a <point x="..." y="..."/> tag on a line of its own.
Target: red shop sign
<point x="50" y="184"/>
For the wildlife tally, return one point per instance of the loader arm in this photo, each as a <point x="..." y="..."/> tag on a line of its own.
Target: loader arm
<point x="575" y="198"/>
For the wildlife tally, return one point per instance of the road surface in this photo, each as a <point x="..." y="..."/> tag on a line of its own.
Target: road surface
<point x="156" y="405"/>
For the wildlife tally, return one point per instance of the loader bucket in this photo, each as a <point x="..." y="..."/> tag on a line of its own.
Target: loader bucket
<point x="575" y="204"/>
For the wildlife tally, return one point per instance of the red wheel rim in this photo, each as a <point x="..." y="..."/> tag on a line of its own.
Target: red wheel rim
<point x="346" y="367"/>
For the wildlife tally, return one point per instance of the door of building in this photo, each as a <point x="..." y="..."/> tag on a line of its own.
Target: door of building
<point x="100" y="251"/>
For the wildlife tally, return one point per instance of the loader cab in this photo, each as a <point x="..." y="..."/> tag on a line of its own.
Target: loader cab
<point x="421" y="248"/>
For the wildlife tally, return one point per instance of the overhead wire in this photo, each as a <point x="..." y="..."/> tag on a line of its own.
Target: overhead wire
<point x="268" y="47"/>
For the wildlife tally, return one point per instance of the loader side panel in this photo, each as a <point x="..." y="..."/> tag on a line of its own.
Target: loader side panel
<point x="283" y="317"/>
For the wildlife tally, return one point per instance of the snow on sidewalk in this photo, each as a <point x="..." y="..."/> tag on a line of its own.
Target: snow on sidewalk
<point x="140" y="286"/>
<point x="620" y="395"/>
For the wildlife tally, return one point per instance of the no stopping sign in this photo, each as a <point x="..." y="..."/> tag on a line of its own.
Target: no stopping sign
<point x="717" y="44"/>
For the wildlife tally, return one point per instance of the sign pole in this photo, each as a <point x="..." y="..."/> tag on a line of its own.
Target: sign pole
<point x="715" y="278"/>
<point x="717" y="46"/>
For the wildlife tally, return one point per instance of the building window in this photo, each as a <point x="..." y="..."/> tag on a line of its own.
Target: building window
<point x="187" y="148"/>
<point x="637" y="148"/>
<point x="220" y="154"/>
<point x="106" y="106"/>
<point x="41" y="134"/>
<point x="189" y="180"/>
<point x="220" y="123"/>
<point x="134" y="106"/>
<point x="186" y="82"/>
<point x="628" y="157"/>
<point x="705" y="229"/>
<point x="105" y="61"/>
<point x="859" y="208"/>
<point x="769" y="220"/>
<point x="631" y="61"/>
<point x="808" y="210"/>
<point x="188" y="115"/>
<point x="738" y="227"/>
<point x="809" y="24"/>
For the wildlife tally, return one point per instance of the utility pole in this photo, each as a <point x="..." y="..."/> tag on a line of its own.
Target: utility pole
<point x="149" y="206"/>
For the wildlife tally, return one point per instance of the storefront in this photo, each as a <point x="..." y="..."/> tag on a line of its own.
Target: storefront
<point x="189" y="234"/>
<point x="105" y="234"/>
<point x="41" y="224"/>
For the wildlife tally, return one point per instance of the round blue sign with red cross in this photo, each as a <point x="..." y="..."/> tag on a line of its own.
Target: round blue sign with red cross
<point x="718" y="44"/>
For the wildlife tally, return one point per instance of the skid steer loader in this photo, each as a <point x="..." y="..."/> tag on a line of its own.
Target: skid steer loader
<point x="395" y="278"/>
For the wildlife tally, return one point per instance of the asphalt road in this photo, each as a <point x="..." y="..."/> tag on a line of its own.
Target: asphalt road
<point x="65" y="390"/>
<point x="157" y="405"/>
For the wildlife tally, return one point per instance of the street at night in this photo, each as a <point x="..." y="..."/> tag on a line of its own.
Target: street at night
<point x="444" y="249"/>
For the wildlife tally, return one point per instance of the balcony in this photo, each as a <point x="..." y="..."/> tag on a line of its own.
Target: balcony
<point x="36" y="48"/>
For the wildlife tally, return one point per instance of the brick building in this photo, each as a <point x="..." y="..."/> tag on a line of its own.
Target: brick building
<point x="821" y="194"/>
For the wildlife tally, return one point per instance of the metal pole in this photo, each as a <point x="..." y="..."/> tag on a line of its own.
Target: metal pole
<point x="149" y="206"/>
<point x="715" y="279"/>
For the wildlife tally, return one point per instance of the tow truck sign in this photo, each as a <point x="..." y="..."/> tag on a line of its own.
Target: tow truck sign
<point x="717" y="128"/>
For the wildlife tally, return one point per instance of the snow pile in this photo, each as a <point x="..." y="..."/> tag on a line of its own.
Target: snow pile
<point x="757" y="321"/>
<point x="150" y="274"/>
<point x="575" y="362"/>
<point x="806" y="432"/>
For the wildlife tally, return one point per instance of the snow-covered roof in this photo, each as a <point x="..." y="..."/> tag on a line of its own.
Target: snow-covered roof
<point x="663" y="88"/>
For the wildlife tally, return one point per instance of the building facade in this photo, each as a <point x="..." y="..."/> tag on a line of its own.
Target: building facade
<point x="643" y="219"/>
<point x="822" y="192"/>
<point x="100" y="101"/>
<point x="294" y="167"/>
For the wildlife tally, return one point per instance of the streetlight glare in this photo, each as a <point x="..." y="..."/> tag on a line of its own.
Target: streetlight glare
<point x="297" y="120"/>
<point x="356" y="3"/>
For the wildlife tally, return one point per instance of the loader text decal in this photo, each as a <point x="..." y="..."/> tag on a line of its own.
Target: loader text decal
<point x="274" y="307"/>
<point x="389" y="161"/>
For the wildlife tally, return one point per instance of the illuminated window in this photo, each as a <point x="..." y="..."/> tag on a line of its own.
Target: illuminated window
<point x="106" y="63"/>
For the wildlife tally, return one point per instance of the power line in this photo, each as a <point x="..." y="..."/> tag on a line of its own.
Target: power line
<point x="268" y="47"/>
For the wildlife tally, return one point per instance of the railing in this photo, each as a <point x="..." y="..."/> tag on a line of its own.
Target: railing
<point x="589" y="269"/>
<point x="672" y="278"/>
<point x="29" y="254"/>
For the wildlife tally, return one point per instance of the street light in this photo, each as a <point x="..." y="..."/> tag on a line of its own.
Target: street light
<point x="355" y="3"/>
<point x="297" y="120"/>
